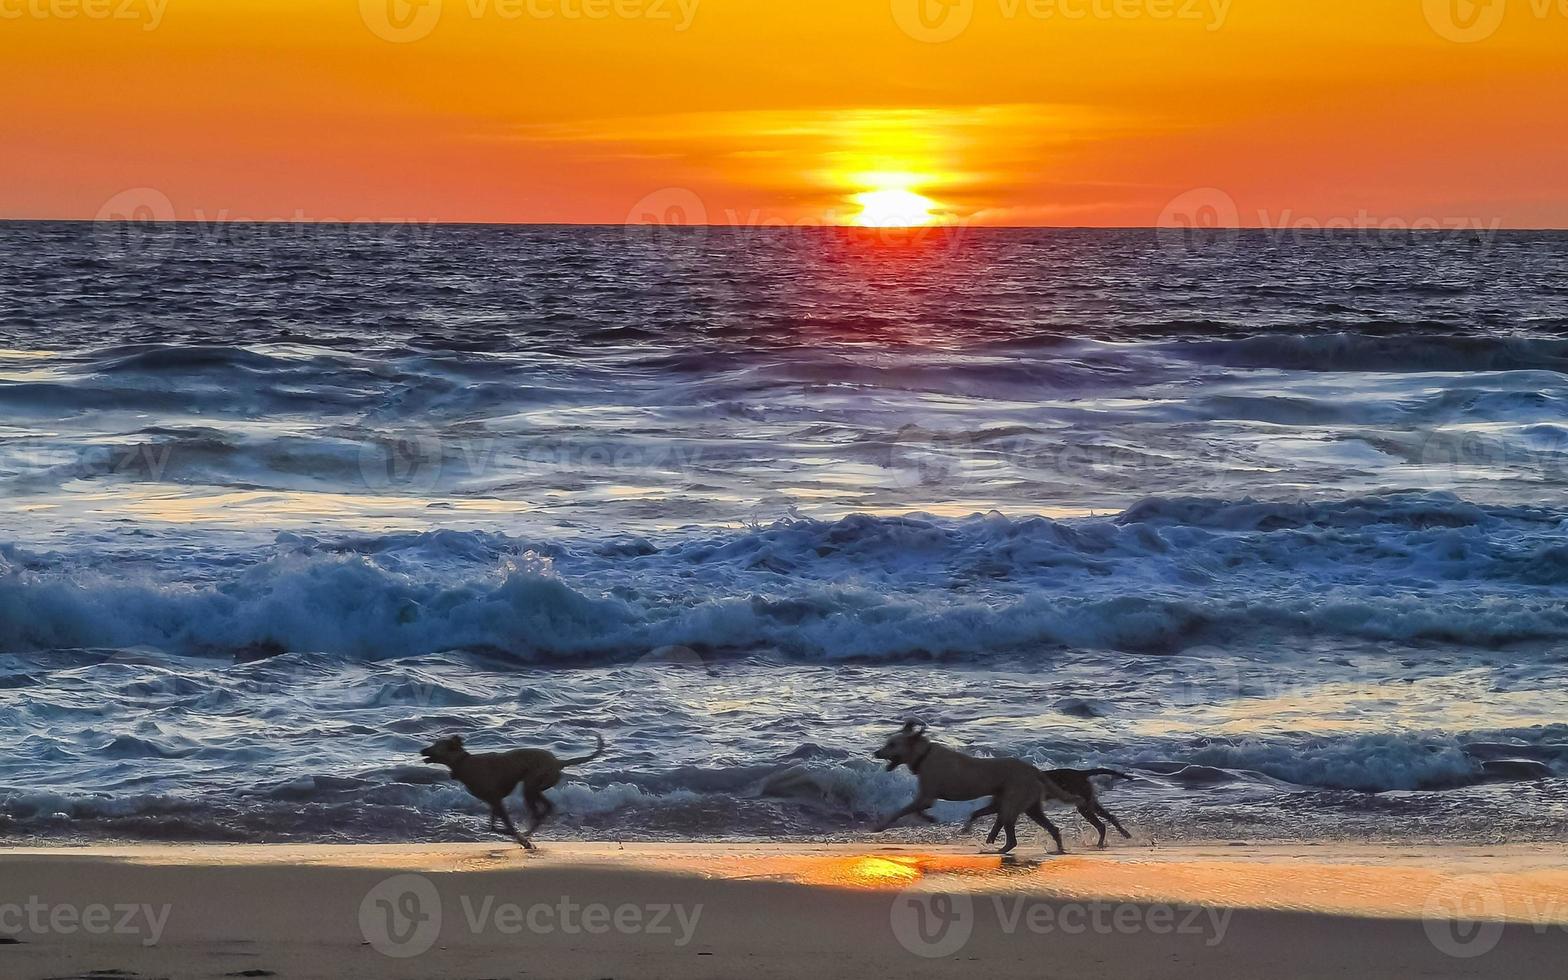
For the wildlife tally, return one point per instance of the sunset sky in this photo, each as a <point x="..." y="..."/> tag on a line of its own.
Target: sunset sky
<point x="1060" y="112"/>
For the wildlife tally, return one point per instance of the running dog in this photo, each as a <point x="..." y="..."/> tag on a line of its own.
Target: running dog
<point x="1076" y="781"/>
<point x="492" y="776"/>
<point x="1017" y="788"/>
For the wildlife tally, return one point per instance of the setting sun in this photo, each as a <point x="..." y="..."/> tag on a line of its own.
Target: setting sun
<point x="895" y="208"/>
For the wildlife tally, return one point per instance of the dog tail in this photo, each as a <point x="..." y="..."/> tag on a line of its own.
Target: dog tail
<point x="1091" y="773"/>
<point x="1054" y="790"/>
<point x="598" y="751"/>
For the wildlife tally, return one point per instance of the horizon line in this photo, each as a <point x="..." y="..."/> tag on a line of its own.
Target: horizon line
<point x="1479" y="230"/>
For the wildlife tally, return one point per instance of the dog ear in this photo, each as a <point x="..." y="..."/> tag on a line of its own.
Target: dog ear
<point x="914" y="727"/>
<point x="457" y="740"/>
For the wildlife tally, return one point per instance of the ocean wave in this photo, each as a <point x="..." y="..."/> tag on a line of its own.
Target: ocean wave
<point x="1415" y="351"/>
<point x="1166" y="574"/>
<point x="354" y="609"/>
<point x="781" y="796"/>
<point x="1371" y="763"/>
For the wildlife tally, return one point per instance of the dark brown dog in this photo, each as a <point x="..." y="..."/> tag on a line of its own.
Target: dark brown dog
<point x="492" y="776"/>
<point x="1017" y="789"/>
<point x="1080" y="783"/>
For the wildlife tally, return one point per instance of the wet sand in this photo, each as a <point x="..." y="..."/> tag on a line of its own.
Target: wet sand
<point x="780" y="910"/>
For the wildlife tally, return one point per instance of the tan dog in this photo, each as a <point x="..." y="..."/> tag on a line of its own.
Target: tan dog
<point x="1017" y="788"/>
<point x="492" y="776"/>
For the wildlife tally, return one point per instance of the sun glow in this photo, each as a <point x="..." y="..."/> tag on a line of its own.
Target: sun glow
<point x="894" y="208"/>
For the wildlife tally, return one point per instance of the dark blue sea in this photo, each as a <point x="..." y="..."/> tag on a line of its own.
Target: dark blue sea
<point x="1275" y="522"/>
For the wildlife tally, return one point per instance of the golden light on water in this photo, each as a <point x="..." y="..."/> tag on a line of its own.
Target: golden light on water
<point x="882" y="869"/>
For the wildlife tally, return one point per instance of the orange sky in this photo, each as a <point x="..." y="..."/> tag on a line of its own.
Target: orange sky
<point x="1054" y="112"/>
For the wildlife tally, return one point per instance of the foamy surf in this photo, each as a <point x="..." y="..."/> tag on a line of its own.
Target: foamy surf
<point x="1292" y="554"/>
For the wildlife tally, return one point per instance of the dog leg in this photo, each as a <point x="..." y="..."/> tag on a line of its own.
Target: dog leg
<point x="918" y="806"/>
<point x="984" y="811"/>
<point x="539" y="808"/>
<point x="1012" y="837"/>
<point x="1114" y="822"/>
<point x="1088" y="814"/>
<point x="511" y="828"/>
<point x="1037" y="814"/>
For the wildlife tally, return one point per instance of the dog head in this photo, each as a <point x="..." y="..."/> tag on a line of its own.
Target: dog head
<point x="445" y="752"/>
<point x="905" y="746"/>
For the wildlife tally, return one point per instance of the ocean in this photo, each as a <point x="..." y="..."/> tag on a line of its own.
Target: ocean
<point x="1273" y="521"/>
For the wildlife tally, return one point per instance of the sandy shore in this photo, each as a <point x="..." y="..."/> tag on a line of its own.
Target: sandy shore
<point x="727" y="910"/>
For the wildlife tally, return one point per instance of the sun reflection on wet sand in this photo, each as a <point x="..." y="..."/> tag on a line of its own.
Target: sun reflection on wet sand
<point x="1522" y="883"/>
<point x="892" y="870"/>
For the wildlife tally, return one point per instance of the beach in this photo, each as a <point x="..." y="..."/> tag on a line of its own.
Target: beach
<point x="1222" y="909"/>
<point x="603" y="489"/>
